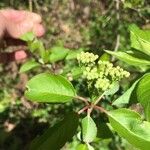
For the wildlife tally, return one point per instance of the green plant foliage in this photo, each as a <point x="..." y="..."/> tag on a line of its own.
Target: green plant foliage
<point x="125" y="98"/>
<point x="73" y="54"/>
<point x="47" y="87"/>
<point x="140" y="39"/>
<point x="90" y="147"/>
<point x="55" y="137"/>
<point x="58" y="53"/>
<point x="114" y="88"/>
<point x="76" y="72"/>
<point x="42" y="52"/>
<point x="129" y="59"/>
<point x="103" y="131"/>
<point x="89" y="129"/>
<point x="29" y="36"/>
<point x="143" y="94"/>
<point x="29" y="65"/>
<point x="79" y="30"/>
<point x="130" y="125"/>
<point x="105" y="57"/>
<point x="82" y="147"/>
<point x="33" y="46"/>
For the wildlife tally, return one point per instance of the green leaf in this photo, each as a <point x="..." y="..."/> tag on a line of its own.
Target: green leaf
<point x="89" y="129"/>
<point x="105" y="57"/>
<point x="124" y="99"/>
<point x="140" y="39"/>
<point x="138" y="54"/>
<point x="130" y="126"/>
<point x="73" y="54"/>
<point x="82" y="147"/>
<point x="28" y="66"/>
<point x="133" y="3"/>
<point x="147" y="111"/>
<point x="42" y="51"/>
<point x="103" y="131"/>
<point x="129" y="59"/>
<point x="34" y="45"/>
<point x="76" y="72"/>
<point x="45" y="56"/>
<point x="55" y="137"/>
<point x="89" y="146"/>
<point x="114" y="88"/>
<point x="143" y="94"/>
<point x="58" y="53"/>
<point x="51" y="88"/>
<point x="29" y="36"/>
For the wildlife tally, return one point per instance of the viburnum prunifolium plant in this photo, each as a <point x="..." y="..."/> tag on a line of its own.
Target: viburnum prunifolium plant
<point x="102" y="79"/>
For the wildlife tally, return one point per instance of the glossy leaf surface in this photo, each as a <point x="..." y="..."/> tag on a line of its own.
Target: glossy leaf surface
<point x="47" y="87"/>
<point x="29" y="65"/>
<point x="89" y="129"/>
<point x="129" y="124"/>
<point x="140" y="39"/>
<point x="129" y="59"/>
<point x="124" y="99"/>
<point x="29" y="36"/>
<point x="143" y="94"/>
<point x="58" y="53"/>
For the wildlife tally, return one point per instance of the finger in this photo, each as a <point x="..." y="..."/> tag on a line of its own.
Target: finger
<point x="14" y="15"/>
<point x="38" y="30"/>
<point x="19" y="55"/>
<point x="13" y="56"/>
<point x="20" y="15"/>
<point x="33" y="17"/>
<point x="17" y="30"/>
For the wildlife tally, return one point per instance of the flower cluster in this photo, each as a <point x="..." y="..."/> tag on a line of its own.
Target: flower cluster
<point x="91" y="73"/>
<point x="102" y="73"/>
<point x="111" y="72"/>
<point x="86" y="57"/>
<point x="103" y="84"/>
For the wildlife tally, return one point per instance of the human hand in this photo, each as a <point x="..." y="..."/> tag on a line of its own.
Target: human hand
<point x="14" y="23"/>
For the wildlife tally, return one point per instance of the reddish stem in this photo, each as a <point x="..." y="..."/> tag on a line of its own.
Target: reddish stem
<point x="82" y="99"/>
<point x="83" y="109"/>
<point x="101" y="109"/>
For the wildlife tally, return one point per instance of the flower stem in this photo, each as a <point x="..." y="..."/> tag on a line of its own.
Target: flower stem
<point x="99" y="98"/>
<point x="96" y="102"/>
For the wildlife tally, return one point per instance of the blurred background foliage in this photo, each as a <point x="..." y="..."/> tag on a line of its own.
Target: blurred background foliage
<point x="92" y="25"/>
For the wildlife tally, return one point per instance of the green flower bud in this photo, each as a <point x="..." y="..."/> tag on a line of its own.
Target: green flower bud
<point x="86" y="57"/>
<point x="102" y="84"/>
<point x="101" y="74"/>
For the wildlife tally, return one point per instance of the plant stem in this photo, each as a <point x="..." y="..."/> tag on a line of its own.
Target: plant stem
<point x="30" y="5"/>
<point x="118" y="23"/>
<point x="98" y="100"/>
<point x="101" y="109"/>
<point x="83" y="109"/>
<point x="82" y="99"/>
